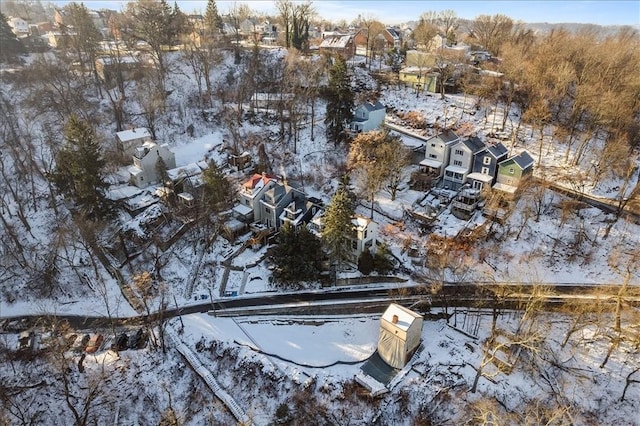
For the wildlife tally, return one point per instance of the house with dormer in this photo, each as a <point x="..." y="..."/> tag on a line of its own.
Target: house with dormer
<point x="146" y="157"/>
<point x="250" y="194"/>
<point x="436" y="154"/>
<point x="485" y="166"/>
<point x="461" y="160"/>
<point x="368" y="116"/>
<point x="300" y="210"/>
<point x="365" y="234"/>
<point x="512" y="171"/>
<point x="275" y="200"/>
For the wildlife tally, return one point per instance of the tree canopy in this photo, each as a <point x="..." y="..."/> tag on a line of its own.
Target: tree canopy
<point x="297" y="256"/>
<point x="338" y="227"/>
<point x="339" y="101"/>
<point x="79" y="171"/>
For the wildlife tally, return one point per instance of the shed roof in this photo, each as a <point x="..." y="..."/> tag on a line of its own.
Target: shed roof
<point x="131" y="134"/>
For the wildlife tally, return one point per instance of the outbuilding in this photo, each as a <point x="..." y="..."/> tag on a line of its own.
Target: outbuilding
<point x="400" y="335"/>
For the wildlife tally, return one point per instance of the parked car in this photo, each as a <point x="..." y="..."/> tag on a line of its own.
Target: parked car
<point x="94" y="343"/>
<point x="120" y="343"/>
<point x="80" y="342"/>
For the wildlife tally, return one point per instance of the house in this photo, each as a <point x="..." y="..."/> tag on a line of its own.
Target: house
<point x="343" y="45"/>
<point x="366" y="236"/>
<point x="393" y="37"/>
<point x="461" y="159"/>
<point x="275" y="200"/>
<point x="485" y="166"/>
<point x="19" y="26"/>
<point x="368" y="116"/>
<point x="418" y="78"/>
<point x="300" y="210"/>
<point x="110" y="69"/>
<point x="145" y="159"/>
<point x="128" y="140"/>
<point x="436" y="155"/>
<point x="187" y="182"/>
<point x="512" y="171"/>
<point x="251" y="191"/>
<point x="400" y="335"/>
<point x="392" y="40"/>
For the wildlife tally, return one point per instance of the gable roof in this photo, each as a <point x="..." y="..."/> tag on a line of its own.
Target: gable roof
<point x="474" y="144"/>
<point x="135" y="133"/>
<point x="393" y="33"/>
<point x="497" y="150"/>
<point x="336" y="42"/>
<point x="524" y="160"/>
<point x="448" y="136"/>
<point x="371" y="106"/>
<point x="257" y="181"/>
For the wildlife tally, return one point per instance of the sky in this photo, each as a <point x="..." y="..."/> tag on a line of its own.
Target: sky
<point x="619" y="12"/>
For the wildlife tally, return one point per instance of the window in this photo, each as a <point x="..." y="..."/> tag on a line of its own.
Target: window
<point x="512" y="171"/>
<point x="354" y="245"/>
<point x="433" y="156"/>
<point x="485" y="171"/>
<point x="459" y="152"/>
<point x="509" y="181"/>
<point x="457" y="163"/>
<point x="486" y="160"/>
<point x="365" y="233"/>
<point x="267" y="210"/>
<point x="433" y="145"/>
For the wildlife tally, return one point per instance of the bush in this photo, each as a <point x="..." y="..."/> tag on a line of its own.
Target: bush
<point x="365" y="262"/>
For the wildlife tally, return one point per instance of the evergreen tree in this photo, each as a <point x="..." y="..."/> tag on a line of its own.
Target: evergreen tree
<point x="212" y="19"/>
<point x="297" y="256"/>
<point x="10" y="46"/>
<point x="79" y="170"/>
<point x="339" y="102"/>
<point x="365" y="262"/>
<point x="338" y="229"/>
<point x="180" y="24"/>
<point x="217" y="189"/>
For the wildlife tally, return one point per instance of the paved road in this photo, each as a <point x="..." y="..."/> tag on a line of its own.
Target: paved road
<point x="341" y="301"/>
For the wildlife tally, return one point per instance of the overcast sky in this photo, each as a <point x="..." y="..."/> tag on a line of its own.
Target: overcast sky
<point x="620" y="12"/>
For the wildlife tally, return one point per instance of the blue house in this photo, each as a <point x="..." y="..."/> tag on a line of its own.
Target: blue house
<point x="485" y="166"/>
<point x="368" y="116"/>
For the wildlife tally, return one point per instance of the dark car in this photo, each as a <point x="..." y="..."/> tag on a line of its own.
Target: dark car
<point x="120" y="343"/>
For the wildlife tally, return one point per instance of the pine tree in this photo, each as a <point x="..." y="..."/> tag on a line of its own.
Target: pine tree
<point x="10" y="46"/>
<point x="339" y="102"/>
<point x="217" y="189"/>
<point x="79" y="170"/>
<point x="212" y="19"/>
<point x="338" y="228"/>
<point x="297" y="256"/>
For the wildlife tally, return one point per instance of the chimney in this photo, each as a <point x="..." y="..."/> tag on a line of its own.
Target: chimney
<point x="394" y="319"/>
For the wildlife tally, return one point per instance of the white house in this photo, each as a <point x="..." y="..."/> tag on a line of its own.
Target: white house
<point x="129" y="140"/>
<point x="365" y="238"/>
<point x="145" y="159"/>
<point x="250" y="194"/>
<point x="400" y="335"/>
<point x="461" y="162"/>
<point x="19" y="26"/>
<point x="368" y="116"/>
<point x="436" y="155"/>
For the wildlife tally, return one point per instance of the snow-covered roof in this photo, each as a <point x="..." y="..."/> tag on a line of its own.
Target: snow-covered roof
<point x="135" y="171"/>
<point x="431" y="163"/>
<point x="456" y="169"/>
<point x="406" y="317"/>
<point x="243" y="210"/>
<point x="481" y="177"/>
<point x="524" y="160"/>
<point x="257" y="181"/>
<point x="336" y="42"/>
<point x="360" y="222"/>
<point x="131" y="134"/>
<point x="505" y="188"/>
<point x="189" y="170"/>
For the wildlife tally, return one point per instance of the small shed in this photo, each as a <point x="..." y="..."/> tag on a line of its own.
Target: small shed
<point x="400" y="335"/>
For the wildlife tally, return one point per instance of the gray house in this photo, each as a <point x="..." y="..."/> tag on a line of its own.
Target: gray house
<point x="461" y="160"/>
<point x="436" y="154"/>
<point x="275" y="200"/>
<point x="485" y="166"/>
